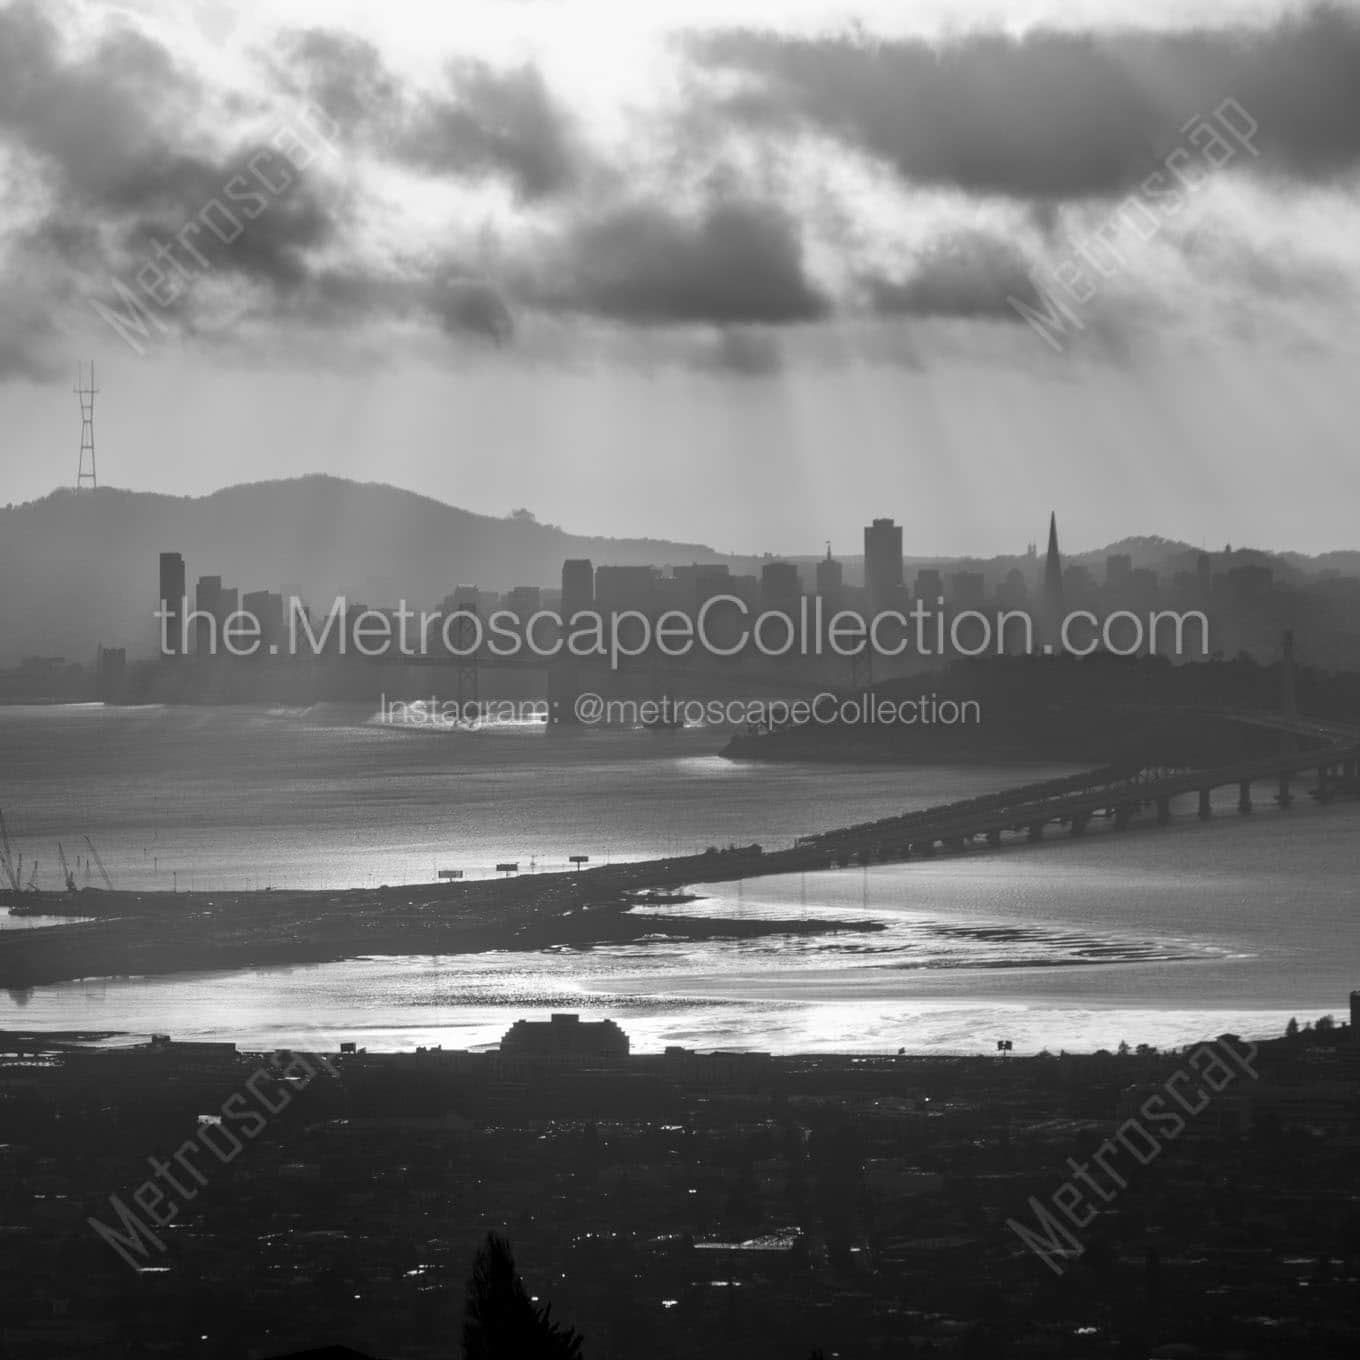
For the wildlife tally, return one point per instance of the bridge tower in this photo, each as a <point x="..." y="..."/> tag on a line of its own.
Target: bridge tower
<point x="465" y="634"/>
<point x="1289" y="708"/>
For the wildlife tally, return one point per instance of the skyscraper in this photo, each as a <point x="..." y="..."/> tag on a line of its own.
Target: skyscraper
<point x="780" y="587"/>
<point x="883" y="563"/>
<point x="578" y="587"/>
<point x="207" y="603"/>
<point x="1054" y="608"/>
<point x="830" y="577"/>
<point x="172" y="603"/>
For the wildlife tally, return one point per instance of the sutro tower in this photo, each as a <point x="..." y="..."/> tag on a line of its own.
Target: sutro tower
<point x="86" y="392"/>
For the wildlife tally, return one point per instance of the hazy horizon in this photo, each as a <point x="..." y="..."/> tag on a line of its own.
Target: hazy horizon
<point x="1071" y="548"/>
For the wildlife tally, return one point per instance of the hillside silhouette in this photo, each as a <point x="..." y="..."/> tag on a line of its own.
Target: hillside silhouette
<point x="80" y="571"/>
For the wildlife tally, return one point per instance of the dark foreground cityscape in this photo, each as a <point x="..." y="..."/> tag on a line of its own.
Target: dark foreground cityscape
<point x="184" y="1199"/>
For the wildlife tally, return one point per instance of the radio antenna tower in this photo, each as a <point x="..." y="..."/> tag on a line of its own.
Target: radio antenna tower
<point x="85" y="470"/>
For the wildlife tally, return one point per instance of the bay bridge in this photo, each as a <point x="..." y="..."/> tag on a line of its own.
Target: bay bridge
<point x="1320" y="760"/>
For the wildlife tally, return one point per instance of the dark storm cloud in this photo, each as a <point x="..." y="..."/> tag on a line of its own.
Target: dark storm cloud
<point x="95" y="128"/>
<point x="492" y="122"/>
<point x="243" y="226"/>
<point x="483" y="123"/>
<point x="116" y="183"/>
<point x="346" y="76"/>
<point x="1054" y="114"/>
<point x="967" y="275"/>
<point x="90" y="122"/>
<point x="733" y="262"/>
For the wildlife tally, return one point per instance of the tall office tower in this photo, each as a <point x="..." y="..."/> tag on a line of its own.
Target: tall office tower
<point x="967" y="590"/>
<point x="578" y="587"/>
<point x="171" y="641"/>
<point x="207" y="601"/>
<point x="624" y="587"/>
<point x="1118" y="569"/>
<point x="228" y="602"/>
<point x="883" y="563"/>
<point x="830" y="577"/>
<point x="1054" y="608"/>
<point x="266" y="609"/>
<point x="522" y="601"/>
<point x="929" y="586"/>
<point x="780" y="587"/>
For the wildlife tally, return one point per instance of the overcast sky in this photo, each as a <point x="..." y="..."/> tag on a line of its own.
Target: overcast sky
<point x="739" y="272"/>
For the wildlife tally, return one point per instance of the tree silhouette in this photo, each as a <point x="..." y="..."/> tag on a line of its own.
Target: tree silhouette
<point x="500" y="1321"/>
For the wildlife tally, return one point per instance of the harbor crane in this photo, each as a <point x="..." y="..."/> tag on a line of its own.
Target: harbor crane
<point x="8" y="865"/>
<point x="68" y="876"/>
<point x="99" y="864"/>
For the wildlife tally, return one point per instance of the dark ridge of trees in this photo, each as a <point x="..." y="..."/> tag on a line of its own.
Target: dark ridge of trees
<point x="501" y="1322"/>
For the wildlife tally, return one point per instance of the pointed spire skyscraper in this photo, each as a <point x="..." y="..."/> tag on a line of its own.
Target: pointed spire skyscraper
<point x="1054" y="608"/>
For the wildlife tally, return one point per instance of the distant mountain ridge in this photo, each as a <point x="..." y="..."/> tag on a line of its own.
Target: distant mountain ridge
<point x="80" y="570"/>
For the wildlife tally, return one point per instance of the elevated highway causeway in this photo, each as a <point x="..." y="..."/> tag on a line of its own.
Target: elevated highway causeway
<point x="1320" y="760"/>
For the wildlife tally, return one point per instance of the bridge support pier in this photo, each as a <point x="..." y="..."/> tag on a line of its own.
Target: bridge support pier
<point x="1079" y="820"/>
<point x="1244" y="797"/>
<point x="1163" y="811"/>
<point x="1123" y="815"/>
<point x="1324" y="784"/>
<point x="1205" y="811"/>
<point x="1284" y="798"/>
<point x="1036" y="831"/>
<point x="993" y="838"/>
<point x="926" y="849"/>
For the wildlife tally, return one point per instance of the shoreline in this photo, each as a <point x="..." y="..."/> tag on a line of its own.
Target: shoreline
<point x="115" y="934"/>
<point x="122" y="934"/>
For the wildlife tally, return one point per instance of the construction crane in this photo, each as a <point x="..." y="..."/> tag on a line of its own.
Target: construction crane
<point x="99" y="864"/>
<point x="7" y="863"/>
<point x="67" y="873"/>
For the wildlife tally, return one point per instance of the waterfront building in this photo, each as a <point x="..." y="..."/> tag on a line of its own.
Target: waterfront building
<point x="565" y="1035"/>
